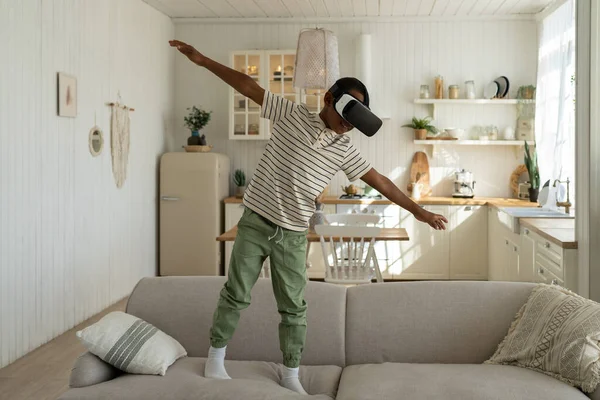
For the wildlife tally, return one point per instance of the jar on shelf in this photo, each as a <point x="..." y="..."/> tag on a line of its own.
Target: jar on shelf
<point x="439" y="87"/>
<point x="470" y="89"/>
<point x="424" y="92"/>
<point x="453" y="92"/>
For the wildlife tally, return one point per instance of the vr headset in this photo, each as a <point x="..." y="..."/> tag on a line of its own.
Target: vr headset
<point x="355" y="112"/>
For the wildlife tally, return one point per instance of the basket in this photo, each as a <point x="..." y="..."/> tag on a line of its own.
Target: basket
<point x="198" y="149"/>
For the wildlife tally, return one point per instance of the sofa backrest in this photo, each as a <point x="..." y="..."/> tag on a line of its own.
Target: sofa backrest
<point x="183" y="308"/>
<point x="430" y="322"/>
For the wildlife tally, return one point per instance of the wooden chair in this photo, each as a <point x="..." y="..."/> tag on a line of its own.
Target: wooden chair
<point x="352" y="253"/>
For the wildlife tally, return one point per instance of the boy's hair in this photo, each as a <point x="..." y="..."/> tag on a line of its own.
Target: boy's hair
<point x="348" y="84"/>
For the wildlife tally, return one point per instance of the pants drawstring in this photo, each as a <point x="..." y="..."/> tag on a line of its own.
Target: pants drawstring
<point x="275" y="234"/>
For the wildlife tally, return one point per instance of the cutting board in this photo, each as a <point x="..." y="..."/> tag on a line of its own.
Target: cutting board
<point x="419" y="171"/>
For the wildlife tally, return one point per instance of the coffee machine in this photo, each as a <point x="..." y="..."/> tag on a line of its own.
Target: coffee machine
<point x="464" y="185"/>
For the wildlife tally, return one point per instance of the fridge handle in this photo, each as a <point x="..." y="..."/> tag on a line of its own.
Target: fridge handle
<point x="167" y="198"/>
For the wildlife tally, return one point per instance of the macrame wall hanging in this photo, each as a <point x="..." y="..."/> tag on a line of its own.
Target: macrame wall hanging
<point x="119" y="140"/>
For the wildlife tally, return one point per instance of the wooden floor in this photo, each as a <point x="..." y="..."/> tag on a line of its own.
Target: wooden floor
<point x="44" y="373"/>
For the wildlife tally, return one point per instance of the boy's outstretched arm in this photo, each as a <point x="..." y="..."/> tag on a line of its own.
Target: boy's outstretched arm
<point x="387" y="188"/>
<point x="240" y="82"/>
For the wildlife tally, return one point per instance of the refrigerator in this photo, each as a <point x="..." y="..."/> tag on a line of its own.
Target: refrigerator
<point x="192" y="189"/>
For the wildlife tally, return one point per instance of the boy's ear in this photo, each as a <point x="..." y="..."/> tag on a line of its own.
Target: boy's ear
<point x="328" y="99"/>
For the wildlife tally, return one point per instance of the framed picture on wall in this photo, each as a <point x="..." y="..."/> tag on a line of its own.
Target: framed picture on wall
<point x="67" y="95"/>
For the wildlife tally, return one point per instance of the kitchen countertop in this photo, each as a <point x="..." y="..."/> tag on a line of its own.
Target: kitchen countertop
<point x="559" y="231"/>
<point x="477" y="201"/>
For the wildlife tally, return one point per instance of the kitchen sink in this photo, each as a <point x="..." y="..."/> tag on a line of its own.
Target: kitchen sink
<point x="510" y="216"/>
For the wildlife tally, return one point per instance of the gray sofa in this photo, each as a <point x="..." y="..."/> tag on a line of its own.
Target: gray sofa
<point x="410" y="340"/>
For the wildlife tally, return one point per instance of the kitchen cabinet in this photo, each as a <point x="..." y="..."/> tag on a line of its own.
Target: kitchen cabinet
<point x="526" y="256"/>
<point x="468" y="227"/>
<point x="273" y="70"/>
<point x="503" y="249"/>
<point x="427" y="254"/>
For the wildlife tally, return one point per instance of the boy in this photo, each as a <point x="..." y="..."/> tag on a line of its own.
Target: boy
<point x="305" y="151"/>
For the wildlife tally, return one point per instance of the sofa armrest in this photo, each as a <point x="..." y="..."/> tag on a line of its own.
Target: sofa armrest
<point x="91" y="370"/>
<point x="595" y="395"/>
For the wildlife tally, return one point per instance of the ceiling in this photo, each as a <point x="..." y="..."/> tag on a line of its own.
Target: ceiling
<point x="345" y="8"/>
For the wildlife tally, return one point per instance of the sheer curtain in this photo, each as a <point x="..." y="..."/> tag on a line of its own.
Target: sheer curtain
<point x="555" y="107"/>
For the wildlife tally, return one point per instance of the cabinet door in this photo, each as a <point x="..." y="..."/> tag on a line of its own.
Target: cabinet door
<point x="468" y="242"/>
<point x="426" y="255"/>
<point x="244" y="114"/>
<point x="496" y="246"/>
<point x="279" y="78"/>
<point x="526" y="257"/>
<point x="511" y="272"/>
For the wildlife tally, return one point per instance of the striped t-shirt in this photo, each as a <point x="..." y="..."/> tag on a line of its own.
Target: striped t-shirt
<point x="298" y="163"/>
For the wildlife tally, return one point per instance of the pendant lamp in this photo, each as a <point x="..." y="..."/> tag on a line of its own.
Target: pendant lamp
<point x="317" y="60"/>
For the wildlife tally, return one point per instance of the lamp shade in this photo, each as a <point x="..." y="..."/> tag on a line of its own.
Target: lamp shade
<point x="317" y="60"/>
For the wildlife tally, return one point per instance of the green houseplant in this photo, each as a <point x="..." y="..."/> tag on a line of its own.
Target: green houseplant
<point x="534" y="172"/>
<point x="421" y="127"/>
<point x="195" y="121"/>
<point x="239" y="179"/>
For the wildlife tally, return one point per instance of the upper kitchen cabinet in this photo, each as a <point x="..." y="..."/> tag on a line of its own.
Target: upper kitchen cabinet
<point x="274" y="71"/>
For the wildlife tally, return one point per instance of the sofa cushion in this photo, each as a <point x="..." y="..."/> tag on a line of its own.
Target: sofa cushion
<point x="252" y="380"/>
<point x="183" y="307"/>
<point x="557" y="332"/>
<point x="450" y="382"/>
<point x="430" y="322"/>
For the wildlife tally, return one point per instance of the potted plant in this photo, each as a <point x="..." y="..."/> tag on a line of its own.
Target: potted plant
<point x="534" y="172"/>
<point x="239" y="178"/>
<point x="421" y="127"/>
<point x="195" y="121"/>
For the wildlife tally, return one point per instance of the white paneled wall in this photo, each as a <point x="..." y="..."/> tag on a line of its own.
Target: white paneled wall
<point x="71" y="243"/>
<point x="405" y="54"/>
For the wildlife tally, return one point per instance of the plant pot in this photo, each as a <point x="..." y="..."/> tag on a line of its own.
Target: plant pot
<point x="420" y="134"/>
<point x="194" y="140"/>
<point x="533" y="195"/>
<point x="239" y="191"/>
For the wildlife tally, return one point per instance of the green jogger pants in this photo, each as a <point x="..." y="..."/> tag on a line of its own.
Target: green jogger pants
<point x="257" y="239"/>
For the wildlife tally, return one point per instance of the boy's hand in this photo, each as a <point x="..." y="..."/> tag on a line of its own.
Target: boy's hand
<point x="189" y="51"/>
<point x="436" y="221"/>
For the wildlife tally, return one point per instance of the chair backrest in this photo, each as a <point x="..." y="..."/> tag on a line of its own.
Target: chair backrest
<point x="349" y="253"/>
<point x="353" y="219"/>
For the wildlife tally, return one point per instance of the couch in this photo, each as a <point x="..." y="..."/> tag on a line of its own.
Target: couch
<point x="406" y="340"/>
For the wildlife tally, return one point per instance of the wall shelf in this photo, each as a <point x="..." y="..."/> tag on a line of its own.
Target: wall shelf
<point x="498" y="102"/>
<point x="516" y="144"/>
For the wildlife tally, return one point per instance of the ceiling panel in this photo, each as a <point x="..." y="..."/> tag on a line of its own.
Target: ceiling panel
<point x="345" y="8"/>
<point x="399" y="8"/>
<point x="320" y="8"/>
<point x="439" y="7"/>
<point x="412" y="7"/>
<point x="333" y="8"/>
<point x="273" y="9"/>
<point x="360" y="8"/>
<point x="426" y="7"/>
<point x="372" y="8"/>
<point x="221" y="8"/>
<point x="386" y="7"/>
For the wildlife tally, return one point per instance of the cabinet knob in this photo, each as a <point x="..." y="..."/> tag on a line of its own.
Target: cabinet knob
<point x="555" y="281"/>
<point x="468" y="208"/>
<point x="547" y="245"/>
<point x="506" y="242"/>
<point x="526" y="231"/>
<point x="515" y="248"/>
<point x="541" y="270"/>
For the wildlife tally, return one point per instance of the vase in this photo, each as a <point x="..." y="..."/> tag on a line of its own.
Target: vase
<point x="533" y="195"/>
<point x="239" y="191"/>
<point x="194" y="140"/>
<point x="420" y="134"/>
<point x="318" y="218"/>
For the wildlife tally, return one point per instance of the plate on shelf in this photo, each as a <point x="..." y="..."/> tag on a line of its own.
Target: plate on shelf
<point x="503" y="86"/>
<point x="491" y="90"/>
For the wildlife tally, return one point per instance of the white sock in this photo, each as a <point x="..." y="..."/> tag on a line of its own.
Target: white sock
<point x="290" y="380"/>
<point x="215" y="364"/>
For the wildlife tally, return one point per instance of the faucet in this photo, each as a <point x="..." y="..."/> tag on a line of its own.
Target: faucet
<point x="566" y="204"/>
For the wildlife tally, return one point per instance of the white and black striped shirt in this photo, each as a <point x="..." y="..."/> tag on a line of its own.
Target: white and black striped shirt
<point x="298" y="163"/>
